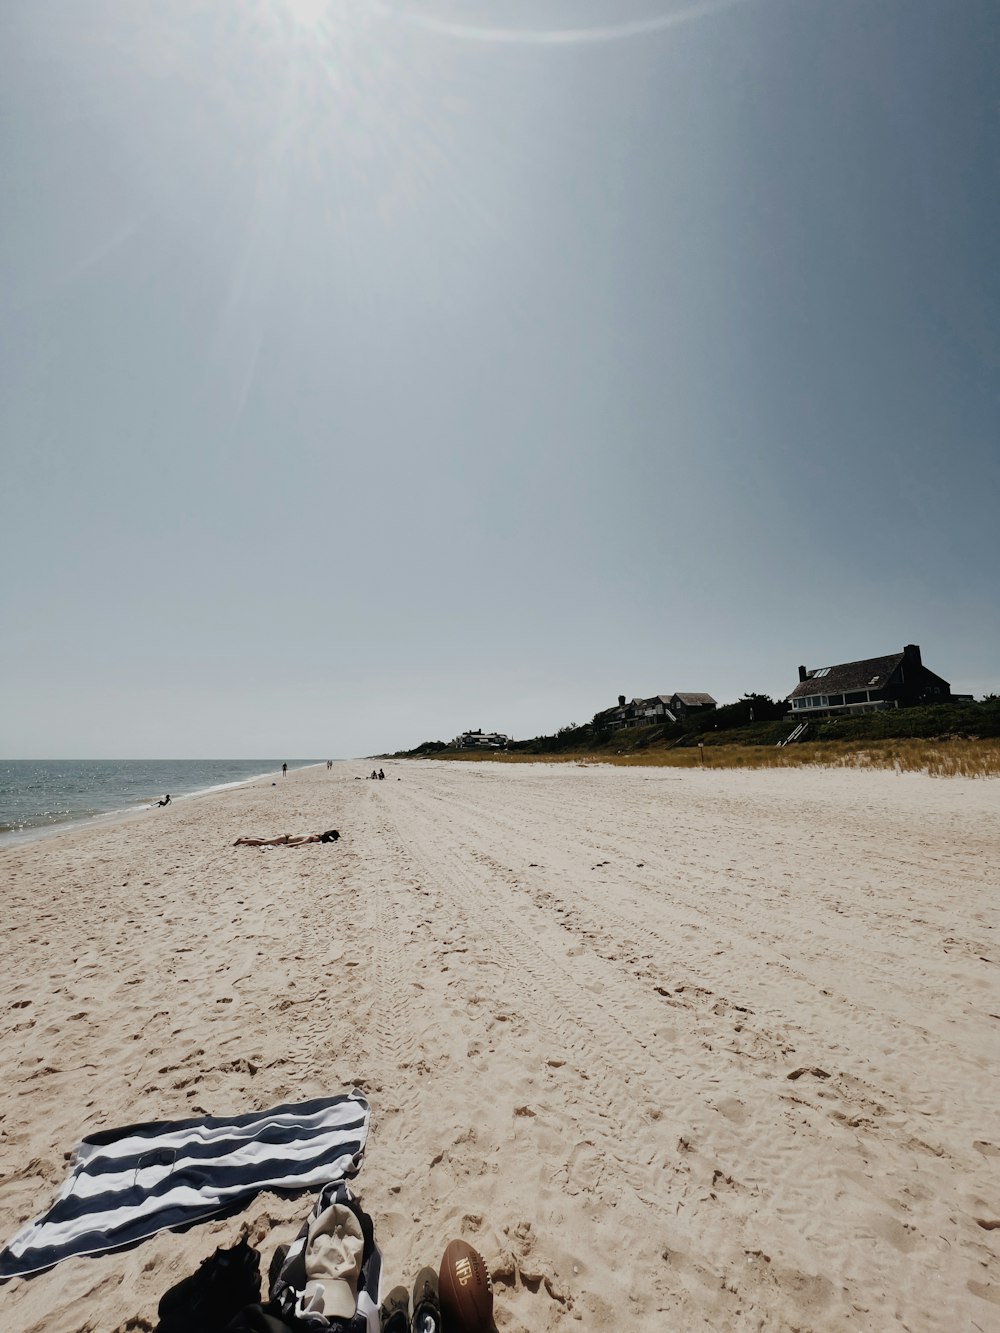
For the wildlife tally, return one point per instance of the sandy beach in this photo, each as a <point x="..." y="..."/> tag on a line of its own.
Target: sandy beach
<point x="699" y="1050"/>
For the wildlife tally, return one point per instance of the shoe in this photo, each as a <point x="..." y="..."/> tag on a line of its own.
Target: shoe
<point x="425" y="1314"/>
<point x="394" y="1312"/>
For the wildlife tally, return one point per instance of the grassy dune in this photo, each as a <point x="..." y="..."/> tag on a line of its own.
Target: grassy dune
<point x="954" y="757"/>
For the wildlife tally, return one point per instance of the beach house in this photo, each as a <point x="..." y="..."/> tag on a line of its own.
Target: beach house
<point x="658" y="710"/>
<point x="481" y="740"/>
<point x="875" y="683"/>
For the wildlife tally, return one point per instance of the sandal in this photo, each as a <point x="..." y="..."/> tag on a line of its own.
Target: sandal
<point x="394" y="1312"/>
<point x="426" y="1313"/>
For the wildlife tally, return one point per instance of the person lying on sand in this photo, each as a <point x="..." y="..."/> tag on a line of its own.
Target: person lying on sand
<point x="287" y="840"/>
<point x="165" y="801"/>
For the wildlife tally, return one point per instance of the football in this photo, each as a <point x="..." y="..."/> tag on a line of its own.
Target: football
<point x="466" y="1291"/>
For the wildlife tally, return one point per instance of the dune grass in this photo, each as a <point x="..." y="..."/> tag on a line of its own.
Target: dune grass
<point x="945" y="758"/>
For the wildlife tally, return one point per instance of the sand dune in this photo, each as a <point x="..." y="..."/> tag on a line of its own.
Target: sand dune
<point x="675" y="1051"/>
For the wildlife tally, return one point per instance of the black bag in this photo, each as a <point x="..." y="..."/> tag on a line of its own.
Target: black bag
<point x="207" y="1300"/>
<point x="258" y="1319"/>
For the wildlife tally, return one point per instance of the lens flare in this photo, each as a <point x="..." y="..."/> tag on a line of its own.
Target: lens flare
<point x="569" y="36"/>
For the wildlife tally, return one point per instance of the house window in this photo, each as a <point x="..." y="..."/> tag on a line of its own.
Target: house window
<point x="823" y="671"/>
<point x="836" y="700"/>
<point x="856" y="697"/>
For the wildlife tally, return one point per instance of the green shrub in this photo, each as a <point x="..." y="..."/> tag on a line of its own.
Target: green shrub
<point x="982" y="719"/>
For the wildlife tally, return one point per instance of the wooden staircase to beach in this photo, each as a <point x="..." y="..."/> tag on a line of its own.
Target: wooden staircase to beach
<point x="796" y="735"/>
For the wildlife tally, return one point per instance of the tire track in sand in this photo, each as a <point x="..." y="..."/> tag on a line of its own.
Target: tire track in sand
<point x="622" y="1090"/>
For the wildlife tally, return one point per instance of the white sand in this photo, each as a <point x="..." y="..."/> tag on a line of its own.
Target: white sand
<point x="674" y="1050"/>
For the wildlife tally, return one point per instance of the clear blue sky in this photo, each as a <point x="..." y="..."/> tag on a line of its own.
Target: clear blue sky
<point x="370" y="371"/>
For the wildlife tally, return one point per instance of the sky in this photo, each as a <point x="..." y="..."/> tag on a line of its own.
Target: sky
<point x="371" y="370"/>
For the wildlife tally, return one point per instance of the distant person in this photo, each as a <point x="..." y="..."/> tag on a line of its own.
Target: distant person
<point x="374" y="775"/>
<point x="165" y="801"/>
<point x="381" y="776"/>
<point x="284" y="769"/>
<point x="287" y="839"/>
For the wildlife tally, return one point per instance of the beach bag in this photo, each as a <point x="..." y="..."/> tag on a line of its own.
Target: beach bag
<point x="329" y="1279"/>
<point x="207" y="1299"/>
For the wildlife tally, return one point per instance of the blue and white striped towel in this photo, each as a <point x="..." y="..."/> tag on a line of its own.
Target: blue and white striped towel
<point x="128" y="1184"/>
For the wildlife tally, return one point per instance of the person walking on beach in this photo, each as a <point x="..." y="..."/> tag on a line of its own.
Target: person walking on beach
<point x="284" y="769"/>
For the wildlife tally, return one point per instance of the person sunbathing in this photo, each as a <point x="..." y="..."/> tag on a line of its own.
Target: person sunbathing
<point x="288" y="840"/>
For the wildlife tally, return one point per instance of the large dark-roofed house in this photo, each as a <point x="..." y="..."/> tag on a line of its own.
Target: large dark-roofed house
<point x="655" y="711"/>
<point x="899" y="680"/>
<point x="691" y="703"/>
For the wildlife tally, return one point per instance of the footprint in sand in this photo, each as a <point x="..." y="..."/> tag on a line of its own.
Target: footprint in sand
<point x="901" y="1235"/>
<point x="583" y="1169"/>
<point x="733" y="1109"/>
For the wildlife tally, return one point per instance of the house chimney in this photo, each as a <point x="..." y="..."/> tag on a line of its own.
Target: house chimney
<point x="911" y="654"/>
<point x="803" y="673"/>
<point x="621" y="701"/>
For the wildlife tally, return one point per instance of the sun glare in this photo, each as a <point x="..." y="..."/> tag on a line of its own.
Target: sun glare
<point x="307" y="13"/>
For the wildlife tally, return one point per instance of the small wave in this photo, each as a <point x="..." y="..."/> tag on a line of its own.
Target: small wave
<point x="38" y="797"/>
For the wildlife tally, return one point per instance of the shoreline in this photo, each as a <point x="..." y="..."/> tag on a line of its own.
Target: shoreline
<point x="733" y="1030"/>
<point x="39" y="832"/>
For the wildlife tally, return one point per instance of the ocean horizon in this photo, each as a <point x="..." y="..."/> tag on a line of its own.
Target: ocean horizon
<point x="43" y="795"/>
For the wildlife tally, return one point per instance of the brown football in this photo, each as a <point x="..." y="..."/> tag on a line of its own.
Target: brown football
<point x="466" y="1290"/>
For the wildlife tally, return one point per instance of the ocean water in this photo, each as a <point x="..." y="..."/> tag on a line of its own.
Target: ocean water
<point x="42" y="794"/>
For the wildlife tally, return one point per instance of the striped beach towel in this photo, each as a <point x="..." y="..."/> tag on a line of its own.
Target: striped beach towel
<point x="128" y="1184"/>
